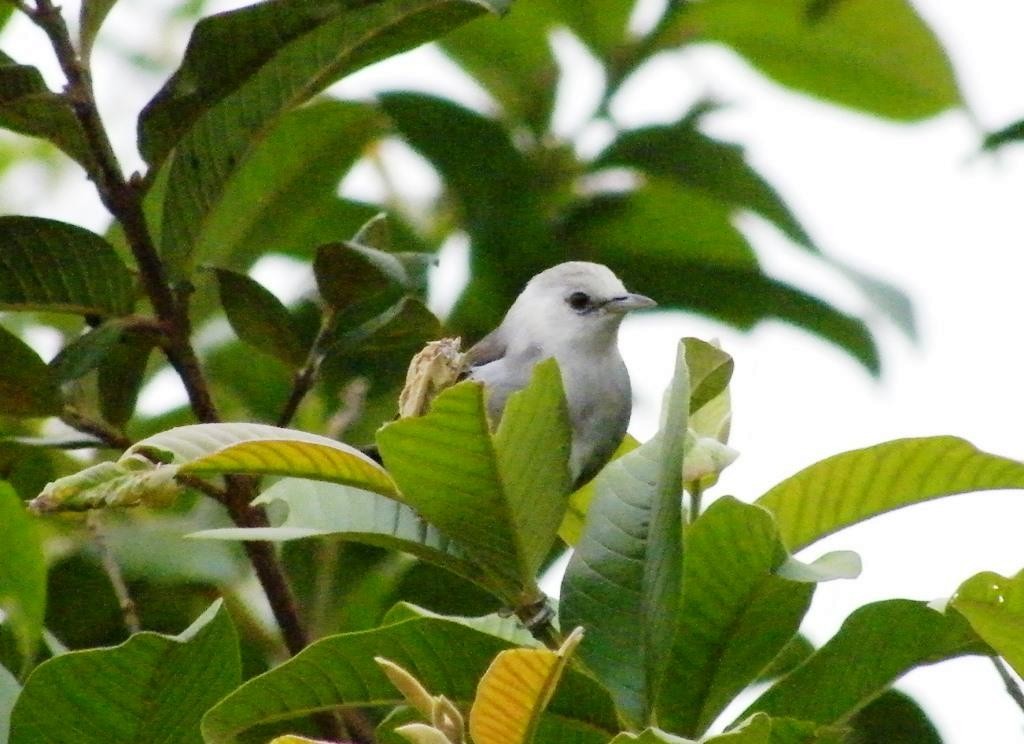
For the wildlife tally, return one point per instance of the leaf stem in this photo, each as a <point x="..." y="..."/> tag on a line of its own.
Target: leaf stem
<point x="1013" y="688"/>
<point x="305" y="378"/>
<point x="113" y="571"/>
<point x="696" y="494"/>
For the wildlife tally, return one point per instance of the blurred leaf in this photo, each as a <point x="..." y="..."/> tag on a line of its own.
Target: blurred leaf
<point x="893" y="718"/>
<point x="340" y="671"/>
<point x="349" y="274"/>
<point x="994" y="606"/>
<point x="853" y="486"/>
<point x="283" y="197"/>
<point x="9" y="691"/>
<point x="502" y="499"/>
<point x="500" y="196"/>
<point x="876" y="645"/>
<point x="247" y="390"/>
<point x="27" y="386"/>
<point x="351" y="514"/>
<point x="663" y="231"/>
<point x="259" y="318"/>
<point x="650" y="736"/>
<point x="682" y="152"/>
<point x="1007" y="135"/>
<point x="28" y="107"/>
<point x="150" y="688"/>
<point x="22" y="573"/>
<point x="244" y="69"/>
<point x="622" y="582"/>
<point x="735" y="615"/>
<point x="515" y="690"/>
<point x="50" y="265"/>
<point x="877" y="56"/>
<point x="85" y="353"/>
<point x="90" y="19"/>
<point x="121" y="375"/>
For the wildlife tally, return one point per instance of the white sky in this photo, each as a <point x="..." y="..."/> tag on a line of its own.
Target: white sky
<point x="915" y="204"/>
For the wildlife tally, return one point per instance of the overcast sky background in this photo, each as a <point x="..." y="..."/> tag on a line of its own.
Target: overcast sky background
<point x="916" y="204"/>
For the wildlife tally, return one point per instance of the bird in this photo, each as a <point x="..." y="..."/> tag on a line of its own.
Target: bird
<point x="571" y="312"/>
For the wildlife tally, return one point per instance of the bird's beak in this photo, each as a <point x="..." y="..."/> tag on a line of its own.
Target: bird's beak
<point x="626" y="303"/>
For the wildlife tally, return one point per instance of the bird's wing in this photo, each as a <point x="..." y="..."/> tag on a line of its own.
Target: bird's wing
<point x="488" y="349"/>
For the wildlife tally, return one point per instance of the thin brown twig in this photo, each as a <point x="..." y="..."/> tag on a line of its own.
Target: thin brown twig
<point x="108" y="435"/>
<point x="305" y="377"/>
<point x="1013" y="688"/>
<point x="113" y="571"/>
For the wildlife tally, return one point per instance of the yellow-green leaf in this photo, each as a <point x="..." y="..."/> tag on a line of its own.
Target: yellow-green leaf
<point x="514" y="691"/>
<point x="853" y="486"/>
<point x="994" y="606"/>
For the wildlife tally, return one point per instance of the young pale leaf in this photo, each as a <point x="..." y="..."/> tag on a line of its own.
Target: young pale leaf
<point x="28" y="107"/>
<point x="340" y="671"/>
<point x="355" y="515"/>
<point x="622" y="582"/>
<point x="150" y="688"/>
<point x="735" y="615"/>
<point x="259" y="318"/>
<point x="27" y="386"/>
<point x="128" y="482"/>
<point x="876" y="645"/>
<point x="514" y="691"/>
<point x="245" y="68"/>
<point x="994" y="606"/>
<point x="50" y="265"/>
<point x="877" y="56"/>
<point x="22" y="574"/>
<point x="853" y="486"/>
<point x="501" y="498"/>
<point x="258" y="449"/>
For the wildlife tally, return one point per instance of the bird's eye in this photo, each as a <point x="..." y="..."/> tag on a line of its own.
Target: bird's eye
<point x="578" y="301"/>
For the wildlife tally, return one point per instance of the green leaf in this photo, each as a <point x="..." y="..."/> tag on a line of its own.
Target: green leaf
<point x="680" y="151"/>
<point x="86" y="352"/>
<point x="710" y="372"/>
<point x="877" y="56"/>
<point x="893" y="718"/>
<point x="283" y="197"/>
<point x="90" y="19"/>
<point x="28" y="107"/>
<point x="652" y="236"/>
<point x="259" y="318"/>
<point x="650" y="736"/>
<point x="22" y="573"/>
<point x="9" y="691"/>
<point x="50" y="265"/>
<point x="1008" y="134"/>
<point x="150" y="688"/>
<point x="27" y="386"/>
<point x="445" y="656"/>
<point x="502" y="499"/>
<point x="994" y="606"/>
<point x="853" y="486"/>
<point x="876" y="645"/>
<point x="355" y="515"/>
<point x="755" y="730"/>
<point x="349" y="274"/>
<point x="122" y="373"/>
<point x="622" y="583"/>
<point x="735" y="614"/>
<point x="500" y="195"/>
<point x="244" y="69"/>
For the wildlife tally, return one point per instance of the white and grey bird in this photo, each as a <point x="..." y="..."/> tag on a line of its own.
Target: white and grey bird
<point x="571" y="312"/>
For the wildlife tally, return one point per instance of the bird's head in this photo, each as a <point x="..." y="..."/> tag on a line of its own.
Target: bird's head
<point x="576" y="303"/>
